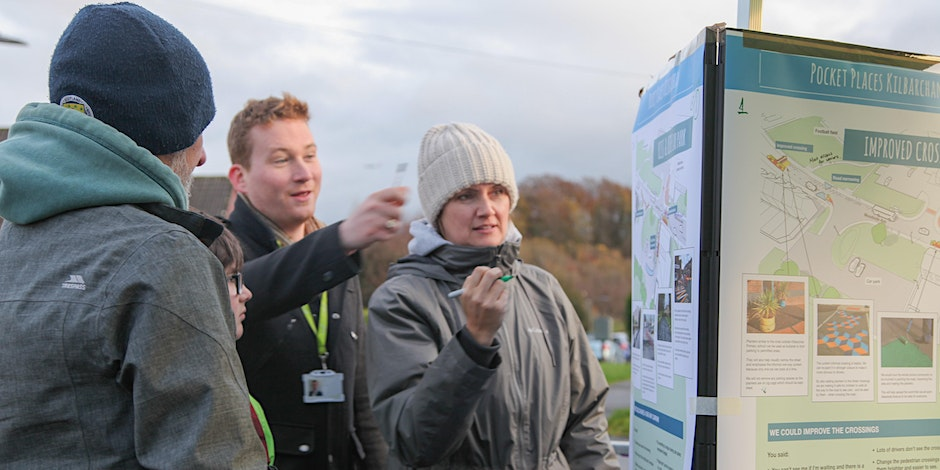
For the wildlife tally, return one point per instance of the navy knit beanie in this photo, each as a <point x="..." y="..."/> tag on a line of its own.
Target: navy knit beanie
<point x="134" y="71"/>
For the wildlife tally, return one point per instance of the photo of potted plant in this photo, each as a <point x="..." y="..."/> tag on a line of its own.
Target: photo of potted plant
<point x="774" y="304"/>
<point x="764" y="308"/>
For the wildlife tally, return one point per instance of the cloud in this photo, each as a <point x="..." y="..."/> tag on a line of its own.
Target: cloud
<point x="555" y="81"/>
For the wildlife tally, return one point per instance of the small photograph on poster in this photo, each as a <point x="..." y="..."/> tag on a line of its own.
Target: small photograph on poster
<point x="843" y="329"/>
<point x="776" y="306"/>
<point x="678" y="327"/>
<point x="843" y="368"/>
<point x="664" y="317"/>
<point x="649" y="335"/>
<point x="683" y="276"/>
<point x="635" y="331"/>
<point x="907" y="342"/>
<point x="907" y="356"/>
<point x="776" y="347"/>
<point x="648" y="366"/>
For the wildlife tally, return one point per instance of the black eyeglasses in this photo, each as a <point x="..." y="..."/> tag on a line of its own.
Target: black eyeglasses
<point x="237" y="279"/>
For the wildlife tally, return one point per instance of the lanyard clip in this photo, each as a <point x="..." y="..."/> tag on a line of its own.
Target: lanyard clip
<point x="323" y="357"/>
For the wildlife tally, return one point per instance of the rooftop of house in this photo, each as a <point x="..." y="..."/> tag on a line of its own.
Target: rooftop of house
<point x="212" y="195"/>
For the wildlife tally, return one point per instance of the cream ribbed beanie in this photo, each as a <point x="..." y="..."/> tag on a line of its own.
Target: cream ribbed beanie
<point x="456" y="156"/>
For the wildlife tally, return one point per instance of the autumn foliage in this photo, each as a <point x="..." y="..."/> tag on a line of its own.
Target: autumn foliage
<point x="580" y="232"/>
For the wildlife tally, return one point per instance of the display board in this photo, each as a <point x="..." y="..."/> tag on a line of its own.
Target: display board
<point x="667" y="187"/>
<point x="829" y="287"/>
<point x="786" y="258"/>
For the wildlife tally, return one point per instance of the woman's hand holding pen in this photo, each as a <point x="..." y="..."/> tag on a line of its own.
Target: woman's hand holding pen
<point x="484" y="300"/>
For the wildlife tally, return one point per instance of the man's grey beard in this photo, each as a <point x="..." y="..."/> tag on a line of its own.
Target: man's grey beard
<point x="179" y="165"/>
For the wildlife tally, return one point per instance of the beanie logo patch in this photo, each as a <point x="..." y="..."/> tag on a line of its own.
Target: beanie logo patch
<point x="76" y="103"/>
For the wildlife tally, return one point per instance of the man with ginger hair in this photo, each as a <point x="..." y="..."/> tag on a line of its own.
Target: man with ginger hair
<point x="305" y="324"/>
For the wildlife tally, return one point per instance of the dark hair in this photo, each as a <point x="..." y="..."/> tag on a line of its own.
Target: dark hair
<point x="228" y="250"/>
<point x="226" y="247"/>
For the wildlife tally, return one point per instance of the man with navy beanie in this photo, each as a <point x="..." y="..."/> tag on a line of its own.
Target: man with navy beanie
<point x="118" y="338"/>
<point x="132" y="70"/>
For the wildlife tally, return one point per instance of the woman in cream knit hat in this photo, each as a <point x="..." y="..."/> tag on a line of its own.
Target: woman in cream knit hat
<point x="476" y="359"/>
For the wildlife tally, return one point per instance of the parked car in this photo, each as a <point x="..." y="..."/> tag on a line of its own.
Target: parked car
<point x="603" y="349"/>
<point x="622" y="343"/>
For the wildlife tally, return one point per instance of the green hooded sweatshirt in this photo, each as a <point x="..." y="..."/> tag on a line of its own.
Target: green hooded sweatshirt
<point x="58" y="160"/>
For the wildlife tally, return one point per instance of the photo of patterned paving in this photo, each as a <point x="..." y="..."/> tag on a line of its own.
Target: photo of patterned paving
<point x="843" y="330"/>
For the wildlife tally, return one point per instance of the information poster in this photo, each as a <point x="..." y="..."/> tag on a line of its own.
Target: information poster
<point x="830" y="260"/>
<point x="667" y="182"/>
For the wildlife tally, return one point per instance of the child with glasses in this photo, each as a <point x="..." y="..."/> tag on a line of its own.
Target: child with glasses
<point x="229" y="252"/>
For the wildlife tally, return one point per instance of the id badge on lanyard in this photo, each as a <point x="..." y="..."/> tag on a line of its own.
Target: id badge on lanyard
<point x="323" y="385"/>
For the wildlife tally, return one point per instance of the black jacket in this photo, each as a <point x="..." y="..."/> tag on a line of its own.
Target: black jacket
<point x="278" y="346"/>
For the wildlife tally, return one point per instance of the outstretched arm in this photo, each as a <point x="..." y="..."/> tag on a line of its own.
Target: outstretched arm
<point x="289" y="277"/>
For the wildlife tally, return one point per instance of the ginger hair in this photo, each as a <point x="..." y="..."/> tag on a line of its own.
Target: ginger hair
<point x="260" y="113"/>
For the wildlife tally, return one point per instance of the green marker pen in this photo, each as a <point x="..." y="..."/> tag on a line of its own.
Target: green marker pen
<point x="457" y="292"/>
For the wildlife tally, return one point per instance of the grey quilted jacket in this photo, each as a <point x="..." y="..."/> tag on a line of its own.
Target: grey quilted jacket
<point x="539" y="403"/>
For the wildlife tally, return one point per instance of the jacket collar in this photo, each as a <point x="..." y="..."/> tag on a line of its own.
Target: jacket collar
<point x="204" y="229"/>
<point x="434" y="257"/>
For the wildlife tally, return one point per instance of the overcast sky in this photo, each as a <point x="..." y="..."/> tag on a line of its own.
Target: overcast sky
<point x="555" y="81"/>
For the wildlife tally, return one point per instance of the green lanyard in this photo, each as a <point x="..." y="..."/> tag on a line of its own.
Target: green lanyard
<point x="320" y="331"/>
<point x="265" y="428"/>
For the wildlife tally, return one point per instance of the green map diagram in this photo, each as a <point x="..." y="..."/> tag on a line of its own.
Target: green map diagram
<point x="847" y="225"/>
<point x="660" y="221"/>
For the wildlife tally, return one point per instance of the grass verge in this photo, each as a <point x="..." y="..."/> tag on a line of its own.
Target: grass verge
<point x="619" y="422"/>
<point x="618" y="425"/>
<point x="616" y="371"/>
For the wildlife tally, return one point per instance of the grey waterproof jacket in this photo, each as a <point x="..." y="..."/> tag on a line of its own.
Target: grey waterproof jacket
<point x="538" y="402"/>
<point x="118" y="341"/>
